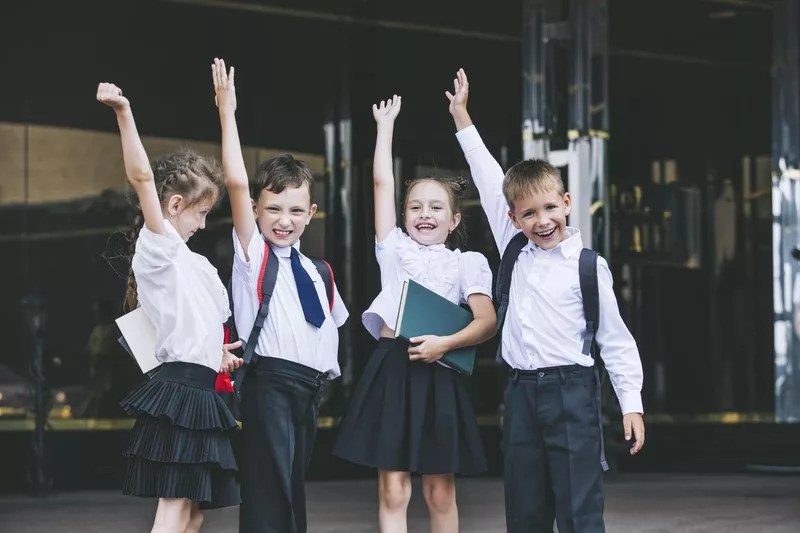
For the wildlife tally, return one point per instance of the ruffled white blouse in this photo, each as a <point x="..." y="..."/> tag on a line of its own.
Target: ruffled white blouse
<point x="182" y="295"/>
<point x="453" y="274"/>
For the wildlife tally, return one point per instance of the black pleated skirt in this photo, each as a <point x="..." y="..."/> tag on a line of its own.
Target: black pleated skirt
<point x="180" y="446"/>
<point x="410" y="416"/>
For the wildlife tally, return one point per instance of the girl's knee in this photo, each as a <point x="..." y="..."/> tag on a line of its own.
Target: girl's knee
<point x="439" y="493"/>
<point x="394" y="490"/>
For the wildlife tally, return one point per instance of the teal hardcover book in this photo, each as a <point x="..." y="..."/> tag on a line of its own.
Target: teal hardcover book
<point x="423" y="312"/>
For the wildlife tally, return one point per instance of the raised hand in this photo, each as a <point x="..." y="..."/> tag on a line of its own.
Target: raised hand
<point x="458" y="98"/>
<point x="223" y="86"/>
<point x="387" y="111"/>
<point x="111" y="95"/>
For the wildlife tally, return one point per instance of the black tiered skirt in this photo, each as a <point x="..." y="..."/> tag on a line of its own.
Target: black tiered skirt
<point x="180" y="446"/>
<point x="410" y="416"/>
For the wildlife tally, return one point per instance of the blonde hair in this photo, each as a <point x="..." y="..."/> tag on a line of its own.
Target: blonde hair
<point x="531" y="176"/>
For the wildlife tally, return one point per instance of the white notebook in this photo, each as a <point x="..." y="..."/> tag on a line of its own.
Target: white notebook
<point x="140" y="336"/>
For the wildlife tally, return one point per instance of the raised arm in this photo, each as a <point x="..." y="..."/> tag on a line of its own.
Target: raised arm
<point x="233" y="168"/>
<point x="382" y="167"/>
<point x="486" y="172"/>
<point x="137" y="165"/>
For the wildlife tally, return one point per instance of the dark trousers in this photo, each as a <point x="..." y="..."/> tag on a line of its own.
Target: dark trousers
<point x="280" y="402"/>
<point x="551" y="442"/>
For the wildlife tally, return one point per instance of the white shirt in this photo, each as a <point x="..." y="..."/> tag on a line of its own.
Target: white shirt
<point x="545" y="323"/>
<point x="182" y="295"/>
<point x="286" y="334"/>
<point x="452" y="274"/>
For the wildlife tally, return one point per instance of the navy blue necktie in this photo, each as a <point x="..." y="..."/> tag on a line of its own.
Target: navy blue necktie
<point x="309" y="298"/>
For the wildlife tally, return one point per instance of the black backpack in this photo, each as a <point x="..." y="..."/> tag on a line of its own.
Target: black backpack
<point x="590" y="293"/>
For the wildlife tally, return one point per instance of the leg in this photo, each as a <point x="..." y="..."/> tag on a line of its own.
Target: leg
<point x="267" y="452"/>
<point x="172" y="515"/>
<point x="572" y="440"/>
<point x="195" y="519"/>
<point x="394" y="493"/>
<point x="529" y="499"/>
<point x="440" y="496"/>
<point x="305" y="435"/>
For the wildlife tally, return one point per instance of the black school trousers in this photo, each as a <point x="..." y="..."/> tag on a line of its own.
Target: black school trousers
<point x="280" y="404"/>
<point x="552" y="442"/>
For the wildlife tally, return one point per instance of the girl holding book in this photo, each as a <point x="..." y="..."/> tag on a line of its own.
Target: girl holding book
<point x="410" y="414"/>
<point x="179" y="450"/>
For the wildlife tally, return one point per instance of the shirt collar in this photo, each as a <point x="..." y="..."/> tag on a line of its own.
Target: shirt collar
<point x="569" y="247"/>
<point x="285" y="251"/>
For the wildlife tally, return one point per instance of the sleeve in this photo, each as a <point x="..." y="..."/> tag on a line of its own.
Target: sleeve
<point x="617" y="346"/>
<point x="488" y="177"/>
<point x="339" y="312"/>
<point x="154" y="250"/>
<point x="255" y="253"/>
<point x="475" y="275"/>
<point x="388" y="245"/>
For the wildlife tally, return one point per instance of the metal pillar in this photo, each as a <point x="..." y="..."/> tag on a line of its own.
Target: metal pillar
<point x="786" y="208"/>
<point x="584" y="34"/>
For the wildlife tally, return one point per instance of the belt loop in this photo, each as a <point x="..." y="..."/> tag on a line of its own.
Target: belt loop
<point x="514" y="376"/>
<point x="562" y="374"/>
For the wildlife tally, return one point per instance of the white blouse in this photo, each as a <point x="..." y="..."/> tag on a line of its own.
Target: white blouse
<point x="453" y="274"/>
<point x="182" y="295"/>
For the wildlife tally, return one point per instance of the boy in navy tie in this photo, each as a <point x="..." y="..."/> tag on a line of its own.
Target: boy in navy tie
<point x="297" y="347"/>
<point x="552" y="437"/>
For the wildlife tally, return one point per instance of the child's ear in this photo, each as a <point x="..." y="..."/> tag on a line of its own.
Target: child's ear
<point x="311" y="212"/>
<point x="255" y="208"/>
<point x="567" y="203"/>
<point x="514" y="219"/>
<point x="456" y="222"/>
<point x="174" y="205"/>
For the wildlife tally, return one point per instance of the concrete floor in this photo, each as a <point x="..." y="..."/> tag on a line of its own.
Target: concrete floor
<point x="634" y="504"/>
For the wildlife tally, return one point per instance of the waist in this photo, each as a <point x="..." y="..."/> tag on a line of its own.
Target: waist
<point x="540" y="373"/>
<point x="283" y="366"/>
<point x="189" y="373"/>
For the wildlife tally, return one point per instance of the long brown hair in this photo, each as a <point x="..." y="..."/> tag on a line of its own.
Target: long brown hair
<point x="455" y="187"/>
<point x="186" y="172"/>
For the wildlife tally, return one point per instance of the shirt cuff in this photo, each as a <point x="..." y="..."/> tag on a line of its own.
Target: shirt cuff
<point x="631" y="402"/>
<point x="469" y="138"/>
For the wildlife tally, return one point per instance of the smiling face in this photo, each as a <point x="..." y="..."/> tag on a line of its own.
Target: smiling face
<point x="283" y="217"/>
<point x="542" y="217"/>
<point x="429" y="217"/>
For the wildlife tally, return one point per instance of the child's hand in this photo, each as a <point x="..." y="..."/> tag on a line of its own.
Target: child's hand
<point x="388" y="110"/>
<point x="111" y="95"/>
<point x="223" y="86"/>
<point x="458" y="99"/>
<point x="429" y="349"/>
<point x="633" y="423"/>
<point x="229" y="361"/>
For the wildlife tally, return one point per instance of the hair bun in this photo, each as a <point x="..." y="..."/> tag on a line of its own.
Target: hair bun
<point x="460" y="183"/>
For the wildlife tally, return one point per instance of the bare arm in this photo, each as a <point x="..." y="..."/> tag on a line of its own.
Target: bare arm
<point x="482" y="328"/>
<point x="233" y="168"/>
<point x="137" y="165"/>
<point x="382" y="167"/>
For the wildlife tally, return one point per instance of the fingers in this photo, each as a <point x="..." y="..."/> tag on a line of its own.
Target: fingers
<point x="232" y="346"/>
<point x="449" y="96"/>
<point x="638" y="432"/>
<point x="626" y="426"/>
<point x="230" y="77"/>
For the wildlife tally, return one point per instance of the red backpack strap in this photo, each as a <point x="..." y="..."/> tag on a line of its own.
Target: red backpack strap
<point x="260" y="285"/>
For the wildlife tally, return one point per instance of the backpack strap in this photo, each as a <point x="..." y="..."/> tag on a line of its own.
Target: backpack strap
<point x="587" y="272"/>
<point x="267" y="278"/>
<point x="326" y="272"/>
<point x="503" y="282"/>
<point x="590" y="293"/>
